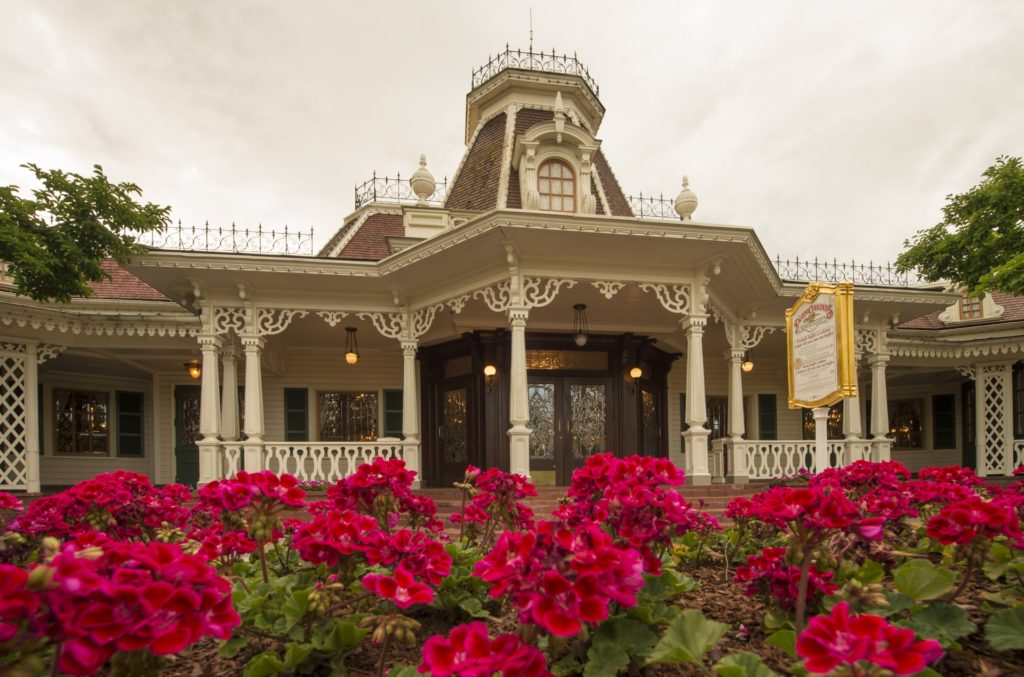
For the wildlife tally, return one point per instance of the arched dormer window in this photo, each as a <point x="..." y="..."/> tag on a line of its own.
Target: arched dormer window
<point x="556" y="186"/>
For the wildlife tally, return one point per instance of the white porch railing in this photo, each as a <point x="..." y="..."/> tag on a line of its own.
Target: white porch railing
<point x="312" y="461"/>
<point x="775" y="459"/>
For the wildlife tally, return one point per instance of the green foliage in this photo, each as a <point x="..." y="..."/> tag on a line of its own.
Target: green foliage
<point x="941" y="621"/>
<point x="461" y="593"/>
<point x="54" y="243"/>
<point x="302" y="640"/>
<point x="1005" y="629"/>
<point x="979" y="243"/>
<point x="687" y="639"/>
<point x="921" y="580"/>
<point x="784" y="640"/>
<point x="743" y="664"/>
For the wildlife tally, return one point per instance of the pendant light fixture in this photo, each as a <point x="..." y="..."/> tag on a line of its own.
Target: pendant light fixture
<point x="194" y="369"/>
<point x="579" y="324"/>
<point x="748" y="364"/>
<point x="351" y="346"/>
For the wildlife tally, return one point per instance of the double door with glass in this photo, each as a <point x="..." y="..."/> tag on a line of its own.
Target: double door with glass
<point x="571" y="419"/>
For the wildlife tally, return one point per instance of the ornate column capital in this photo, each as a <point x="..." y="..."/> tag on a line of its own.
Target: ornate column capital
<point x="878" y="360"/>
<point x="210" y="341"/>
<point x="251" y="343"/>
<point x="518" y="316"/>
<point x="409" y="347"/>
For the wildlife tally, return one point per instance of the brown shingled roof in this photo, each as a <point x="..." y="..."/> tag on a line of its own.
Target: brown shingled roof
<point x="1013" y="311"/>
<point x="336" y="238"/>
<point x="123" y="285"/>
<point x="370" y="241"/>
<point x="617" y="202"/>
<point x="476" y="186"/>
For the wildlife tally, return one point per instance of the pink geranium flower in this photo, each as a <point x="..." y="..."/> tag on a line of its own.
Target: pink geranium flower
<point x="402" y="588"/>
<point x="469" y="651"/>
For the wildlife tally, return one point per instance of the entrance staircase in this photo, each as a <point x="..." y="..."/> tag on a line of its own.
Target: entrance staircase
<point x="712" y="499"/>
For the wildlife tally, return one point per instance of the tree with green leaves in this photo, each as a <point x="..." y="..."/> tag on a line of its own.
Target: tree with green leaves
<point x="54" y="243"/>
<point x="979" y="244"/>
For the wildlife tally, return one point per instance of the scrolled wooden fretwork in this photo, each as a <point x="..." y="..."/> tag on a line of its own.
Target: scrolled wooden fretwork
<point x="751" y="336"/>
<point x="870" y="342"/>
<point x="390" y="325"/>
<point x="227" y="319"/>
<point x="458" y="303"/>
<point x="967" y="370"/>
<point x="423" y="318"/>
<point x="48" y="351"/>
<point x="539" y="292"/>
<point x="607" y="288"/>
<point x="674" y="297"/>
<point x="332" y="317"/>
<point x="270" y="322"/>
<point x="498" y="297"/>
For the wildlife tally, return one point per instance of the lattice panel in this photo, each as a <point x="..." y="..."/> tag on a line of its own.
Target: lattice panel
<point x="994" y="402"/>
<point x="13" y="460"/>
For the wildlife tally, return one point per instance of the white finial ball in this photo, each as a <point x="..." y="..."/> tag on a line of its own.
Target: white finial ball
<point x="686" y="201"/>
<point x="422" y="181"/>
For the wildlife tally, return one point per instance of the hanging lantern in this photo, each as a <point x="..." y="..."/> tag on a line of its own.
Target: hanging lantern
<point x="579" y="324"/>
<point x="748" y="364"/>
<point x="351" y="346"/>
<point x="194" y="368"/>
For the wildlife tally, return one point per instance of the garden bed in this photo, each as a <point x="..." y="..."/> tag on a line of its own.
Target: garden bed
<point x="857" y="571"/>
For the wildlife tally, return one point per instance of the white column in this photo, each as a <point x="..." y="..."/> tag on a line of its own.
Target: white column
<point x="852" y="426"/>
<point x="696" y="435"/>
<point x="879" y="408"/>
<point x="518" y="400"/>
<point x="736" y="456"/>
<point x="820" y="438"/>
<point x="253" y="346"/>
<point x="209" y="409"/>
<point x="411" y="411"/>
<point x="229" y="395"/>
<point x="32" y="414"/>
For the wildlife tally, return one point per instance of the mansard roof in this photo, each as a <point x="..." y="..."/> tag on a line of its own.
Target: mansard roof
<point x="1013" y="311"/>
<point x="123" y="285"/>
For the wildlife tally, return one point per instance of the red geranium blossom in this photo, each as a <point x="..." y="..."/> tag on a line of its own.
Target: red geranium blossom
<point x="402" y="588"/>
<point x="842" y="639"/>
<point x="469" y="651"/>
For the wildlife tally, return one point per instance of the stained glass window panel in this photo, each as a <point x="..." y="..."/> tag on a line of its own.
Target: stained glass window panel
<point x="81" y="422"/>
<point x="542" y="420"/>
<point x="587" y="411"/>
<point x="348" y="417"/>
<point x="454" y="426"/>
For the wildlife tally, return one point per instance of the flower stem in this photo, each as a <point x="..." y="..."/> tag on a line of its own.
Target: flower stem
<point x="972" y="557"/>
<point x="262" y="550"/>
<point x="383" y="655"/>
<point x="801" y="595"/>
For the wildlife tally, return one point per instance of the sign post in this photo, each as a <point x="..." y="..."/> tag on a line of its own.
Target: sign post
<point x="819" y="355"/>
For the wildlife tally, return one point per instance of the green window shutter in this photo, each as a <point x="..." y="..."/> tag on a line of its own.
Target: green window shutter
<point x="129" y="424"/>
<point x="296" y="414"/>
<point x="767" y="417"/>
<point x="682" y="413"/>
<point x="392" y="413"/>
<point x="944" y="421"/>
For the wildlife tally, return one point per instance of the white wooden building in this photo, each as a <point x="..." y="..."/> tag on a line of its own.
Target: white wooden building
<point x="524" y="315"/>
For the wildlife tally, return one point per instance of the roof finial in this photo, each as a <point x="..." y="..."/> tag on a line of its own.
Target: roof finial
<point x="531" y="28"/>
<point x="422" y="182"/>
<point x="686" y="201"/>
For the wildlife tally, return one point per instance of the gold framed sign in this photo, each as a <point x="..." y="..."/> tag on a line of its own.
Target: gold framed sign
<point x="819" y="346"/>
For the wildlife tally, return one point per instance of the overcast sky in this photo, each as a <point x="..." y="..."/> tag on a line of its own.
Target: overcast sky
<point x="833" y="129"/>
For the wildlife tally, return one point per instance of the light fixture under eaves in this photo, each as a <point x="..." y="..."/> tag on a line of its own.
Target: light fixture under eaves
<point x="579" y="324"/>
<point x="351" y="346"/>
<point x="194" y="368"/>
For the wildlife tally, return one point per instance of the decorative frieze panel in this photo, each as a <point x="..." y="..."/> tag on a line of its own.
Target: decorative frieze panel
<point x="423" y="318"/>
<point x="967" y="371"/>
<point x="390" y="325"/>
<point x="674" y="297"/>
<point x="539" y="292"/>
<point x="48" y="351"/>
<point x="332" y="317"/>
<point x="228" y="319"/>
<point x="608" y="289"/>
<point x="77" y="327"/>
<point x="498" y="297"/>
<point x="458" y="303"/>
<point x="270" y="322"/>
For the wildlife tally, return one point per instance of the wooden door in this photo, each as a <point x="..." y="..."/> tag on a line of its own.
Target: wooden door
<point x="186" y="434"/>
<point x="454" y="415"/>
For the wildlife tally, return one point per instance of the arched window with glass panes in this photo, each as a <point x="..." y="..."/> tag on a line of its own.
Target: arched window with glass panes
<point x="556" y="185"/>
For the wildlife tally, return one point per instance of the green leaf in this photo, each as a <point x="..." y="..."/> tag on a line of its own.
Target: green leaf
<point x="231" y="647"/>
<point x="1005" y="629"/>
<point x="775" y="619"/>
<point x="744" y="664"/>
<point x="474" y="607"/>
<point x="634" y="637"/>
<point x="687" y="639"/>
<point x="998" y="559"/>
<point x="784" y="640"/>
<point x="566" y="666"/>
<point x="942" y="621"/>
<point x="869" y="572"/>
<point x="266" y="663"/>
<point x="402" y="670"/>
<point x="295" y="606"/>
<point x="654" y="613"/>
<point x="921" y="580"/>
<point x="605" y="659"/>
